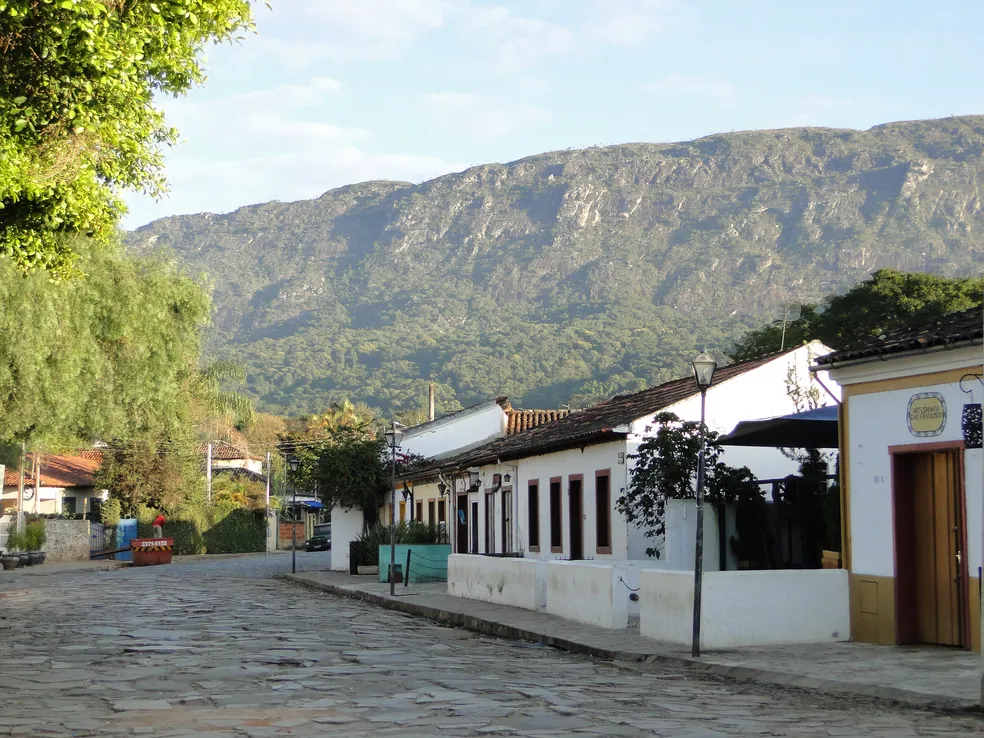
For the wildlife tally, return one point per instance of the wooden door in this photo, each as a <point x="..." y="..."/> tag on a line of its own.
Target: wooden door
<point x="474" y="527"/>
<point x="489" y="522"/>
<point x="577" y="518"/>
<point x="929" y="556"/>
<point x="461" y="525"/>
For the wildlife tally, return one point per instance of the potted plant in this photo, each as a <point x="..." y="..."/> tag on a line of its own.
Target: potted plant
<point x="34" y="539"/>
<point x="16" y="543"/>
<point x="9" y="560"/>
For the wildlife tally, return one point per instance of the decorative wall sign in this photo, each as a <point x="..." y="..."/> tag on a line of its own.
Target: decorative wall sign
<point x="926" y="414"/>
<point x="971" y="425"/>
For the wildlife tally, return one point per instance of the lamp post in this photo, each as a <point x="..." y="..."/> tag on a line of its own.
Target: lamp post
<point x="703" y="366"/>
<point x="394" y="434"/>
<point x="293" y="463"/>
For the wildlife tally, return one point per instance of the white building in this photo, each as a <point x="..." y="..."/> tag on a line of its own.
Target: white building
<point x="551" y="492"/>
<point x="912" y="469"/>
<point x="429" y="498"/>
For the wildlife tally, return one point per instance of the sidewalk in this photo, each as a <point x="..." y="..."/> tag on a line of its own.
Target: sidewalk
<point x="926" y="677"/>
<point x="60" y="567"/>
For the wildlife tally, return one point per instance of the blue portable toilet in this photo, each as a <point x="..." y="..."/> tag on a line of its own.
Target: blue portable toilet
<point x="126" y="531"/>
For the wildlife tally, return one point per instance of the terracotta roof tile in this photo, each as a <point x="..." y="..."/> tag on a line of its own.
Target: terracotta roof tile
<point x="223" y="451"/>
<point x="955" y="328"/>
<point x="519" y="421"/>
<point x="76" y="470"/>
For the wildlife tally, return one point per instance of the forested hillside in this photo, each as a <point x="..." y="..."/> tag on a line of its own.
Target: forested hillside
<point x="572" y="275"/>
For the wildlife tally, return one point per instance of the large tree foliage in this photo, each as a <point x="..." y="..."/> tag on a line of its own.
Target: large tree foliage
<point x="151" y="472"/>
<point x="114" y="355"/>
<point x="78" y="121"/>
<point x="888" y="300"/>
<point x="665" y="468"/>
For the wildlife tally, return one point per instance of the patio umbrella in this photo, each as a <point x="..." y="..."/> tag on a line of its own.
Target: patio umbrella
<point x="808" y="429"/>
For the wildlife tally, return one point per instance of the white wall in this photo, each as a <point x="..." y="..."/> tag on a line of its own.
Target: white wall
<point x="504" y="581"/>
<point x="588" y="593"/>
<point x="346" y="525"/>
<point x="758" y="393"/>
<point x="445" y="436"/>
<point x="563" y="464"/>
<point x="877" y="421"/>
<point x="747" y="608"/>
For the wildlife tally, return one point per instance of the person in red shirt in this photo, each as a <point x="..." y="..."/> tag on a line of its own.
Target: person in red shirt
<point x="159" y="526"/>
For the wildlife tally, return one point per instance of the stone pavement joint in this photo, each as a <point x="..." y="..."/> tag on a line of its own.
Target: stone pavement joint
<point x="926" y="678"/>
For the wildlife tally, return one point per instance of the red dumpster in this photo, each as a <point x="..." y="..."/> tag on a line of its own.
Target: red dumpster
<point x="152" y="551"/>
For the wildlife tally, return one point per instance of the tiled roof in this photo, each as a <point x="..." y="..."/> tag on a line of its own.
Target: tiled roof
<point x="519" y="421"/>
<point x="76" y="470"/>
<point x="594" y="424"/>
<point x="954" y="329"/>
<point x="223" y="451"/>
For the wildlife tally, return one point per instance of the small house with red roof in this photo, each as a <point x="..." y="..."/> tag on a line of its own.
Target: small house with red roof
<point x="66" y="485"/>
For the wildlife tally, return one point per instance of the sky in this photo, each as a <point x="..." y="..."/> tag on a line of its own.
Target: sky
<point x="332" y="92"/>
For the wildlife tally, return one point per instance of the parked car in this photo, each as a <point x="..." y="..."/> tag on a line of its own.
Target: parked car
<point x="318" y="543"/>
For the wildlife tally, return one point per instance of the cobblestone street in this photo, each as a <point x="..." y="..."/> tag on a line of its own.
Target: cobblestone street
<point x="221" y="648"/>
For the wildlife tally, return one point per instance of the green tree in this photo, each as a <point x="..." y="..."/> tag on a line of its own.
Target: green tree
<point x="888" y="300"/>
<point x="78" y="121"/>
<point x="666" y="469"/>
<point x="113" y="355"/>
<point x="156" y="473"/>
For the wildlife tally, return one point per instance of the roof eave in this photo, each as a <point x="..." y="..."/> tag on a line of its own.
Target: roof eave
<point x="822" y="366"/>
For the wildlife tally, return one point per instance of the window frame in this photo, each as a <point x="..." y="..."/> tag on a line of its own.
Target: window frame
<point x="559" y="481"/>
<point x="533" y="484"/>
<point x="607" y="474"/>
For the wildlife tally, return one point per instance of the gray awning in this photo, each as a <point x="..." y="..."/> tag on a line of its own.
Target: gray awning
<point x="808" y="429"/>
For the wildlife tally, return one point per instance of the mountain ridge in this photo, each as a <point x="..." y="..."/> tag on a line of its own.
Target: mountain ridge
<point x="373" y="289"/>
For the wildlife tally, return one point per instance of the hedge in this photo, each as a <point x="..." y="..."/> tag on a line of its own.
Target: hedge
<point x="217" y="529"/>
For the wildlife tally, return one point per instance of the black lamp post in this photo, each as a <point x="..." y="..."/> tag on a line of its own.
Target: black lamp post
<point x="394" y="434"/>
<point x="293" y="463"/>
<point x="703" y="366"/>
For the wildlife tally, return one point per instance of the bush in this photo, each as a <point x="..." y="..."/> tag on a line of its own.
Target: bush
<point x="35" y="536"/>
<point x="415" y="533"/>
<point x="110" y="512"/>
<point x="16" y="540"/>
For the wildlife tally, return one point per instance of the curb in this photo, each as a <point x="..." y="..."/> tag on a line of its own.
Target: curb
<point x="893" y="695"/>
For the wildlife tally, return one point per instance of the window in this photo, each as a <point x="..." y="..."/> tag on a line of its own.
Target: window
<point x="489" y="522"/>
<point x="533" y="517"/>
<point x="603" y="511"/>
<point x="420" y="512"/>
<point x="68" y="505"/>
<point x="430" y="512"/>
<point x="556" y="517"/>
<point x="441" y="513"/>
<point x="507" y="503"/>
<point x="403" y="511"/>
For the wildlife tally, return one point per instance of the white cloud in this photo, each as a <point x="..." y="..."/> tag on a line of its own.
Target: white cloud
<point x="631" y="22"/>
<point x="514" y="42"/>
<point x="816" y="110"/>
<point x="466" y="112"/>
<point x="303" y="32"/>
<point x="699" y="86"/>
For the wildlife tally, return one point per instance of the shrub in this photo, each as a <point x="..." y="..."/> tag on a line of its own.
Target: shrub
<point x="414" y="533"/>
<point x="35" y="536"/>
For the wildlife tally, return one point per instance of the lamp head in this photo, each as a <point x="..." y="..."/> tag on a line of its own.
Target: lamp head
<point x="703" y="366"/>
<point x="293" y="463"/>
<point x="394" y="434"/>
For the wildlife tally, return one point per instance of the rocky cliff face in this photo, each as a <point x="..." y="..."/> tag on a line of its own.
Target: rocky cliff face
<point x="554" y="264"/>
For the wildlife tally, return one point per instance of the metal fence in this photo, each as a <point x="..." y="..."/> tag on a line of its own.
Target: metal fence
<point x="97" y="536"/>
<point x="4" y="526"/>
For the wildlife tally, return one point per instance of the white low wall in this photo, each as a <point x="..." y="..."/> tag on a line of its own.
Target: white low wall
<point x="747" y="608"/>
<point x="504" y="581"/>
<point x="346" y="525"/>
<point x="588" y="592"/>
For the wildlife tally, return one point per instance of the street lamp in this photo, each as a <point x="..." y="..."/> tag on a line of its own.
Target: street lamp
<point x="394" y="434"/>
<point x="703" y="366"/>
<point x="293" y="463"/>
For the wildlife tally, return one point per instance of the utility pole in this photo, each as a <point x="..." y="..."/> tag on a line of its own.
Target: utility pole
<point x="430" y="402"/>
<point x="269" y="471"/>
<point x="37" y="481"/>
<point x="20" y="485"/>
<point x="208" y="473"/>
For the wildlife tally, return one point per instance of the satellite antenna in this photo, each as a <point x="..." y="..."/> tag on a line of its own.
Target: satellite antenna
<point x="788" y="312"/>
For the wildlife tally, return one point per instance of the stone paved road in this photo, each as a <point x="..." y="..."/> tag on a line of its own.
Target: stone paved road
<point x="219" y="648"/>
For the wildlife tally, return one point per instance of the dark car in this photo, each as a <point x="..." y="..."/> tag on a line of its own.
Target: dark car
<point x="318" y="543"/>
